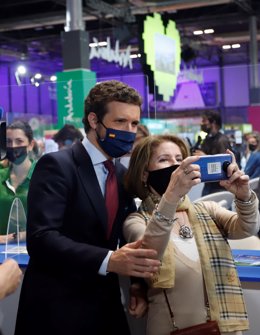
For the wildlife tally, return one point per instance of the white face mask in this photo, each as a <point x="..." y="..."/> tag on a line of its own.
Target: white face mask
<point x="125" y="161"/>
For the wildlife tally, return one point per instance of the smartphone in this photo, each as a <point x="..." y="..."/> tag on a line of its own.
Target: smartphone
<point x="213" y="168"/>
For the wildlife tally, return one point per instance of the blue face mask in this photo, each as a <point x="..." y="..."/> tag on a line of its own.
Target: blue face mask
<point x="117" y="142"/>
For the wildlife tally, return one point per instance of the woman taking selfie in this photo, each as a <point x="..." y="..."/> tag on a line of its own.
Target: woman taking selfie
<point x="191" y="239"/>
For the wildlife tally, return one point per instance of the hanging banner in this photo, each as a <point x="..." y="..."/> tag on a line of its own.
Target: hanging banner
<point x="162" y="51"/>
<point x="72" y="88"/>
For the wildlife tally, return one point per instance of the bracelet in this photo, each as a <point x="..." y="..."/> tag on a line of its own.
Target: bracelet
<point x="162" y="218"/>
<point x="248" y="202"/>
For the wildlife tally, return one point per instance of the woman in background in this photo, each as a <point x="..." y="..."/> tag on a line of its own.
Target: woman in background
<point x="191" y="239"/>
<point x="142" y="132"/>
<point x="15" y="179"/>
<point x="252" y="167"/>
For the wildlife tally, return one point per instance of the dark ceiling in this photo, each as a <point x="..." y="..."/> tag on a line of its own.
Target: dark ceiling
<point x="31" y="30"/>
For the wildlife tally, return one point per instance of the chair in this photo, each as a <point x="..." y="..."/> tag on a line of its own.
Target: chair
<point x="254" y="183"/>
<point x="224" y="198"/>
<point x="196" y="191"/>
<point x="248" y="243"/>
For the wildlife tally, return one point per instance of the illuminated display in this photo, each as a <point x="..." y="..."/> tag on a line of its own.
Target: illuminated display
<point x="162" y="48"/>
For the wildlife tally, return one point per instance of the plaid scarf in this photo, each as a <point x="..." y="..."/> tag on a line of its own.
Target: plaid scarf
<point x="222" y="284"/>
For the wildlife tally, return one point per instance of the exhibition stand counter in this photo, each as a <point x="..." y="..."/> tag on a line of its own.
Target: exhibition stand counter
<point x="248" y="266"/>
<point x="248" y="261"/>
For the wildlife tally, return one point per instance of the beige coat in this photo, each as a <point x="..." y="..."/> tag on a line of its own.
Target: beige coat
<point x="186" y="285"/>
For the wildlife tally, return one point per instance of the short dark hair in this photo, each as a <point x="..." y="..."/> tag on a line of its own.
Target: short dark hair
<point x="68" y="132"/>
<point x="103" y="93"/>
<point x="213" y="116"/>
<point x="24" y="126"/>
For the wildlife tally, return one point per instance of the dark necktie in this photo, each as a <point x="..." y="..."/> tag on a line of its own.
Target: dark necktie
<point x="111" y="195"/>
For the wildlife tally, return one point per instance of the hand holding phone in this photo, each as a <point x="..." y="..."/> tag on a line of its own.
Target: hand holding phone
<point x="213" y="168"/>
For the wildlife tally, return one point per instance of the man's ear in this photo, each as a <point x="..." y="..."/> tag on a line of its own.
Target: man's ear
<point x="92" y="120"/>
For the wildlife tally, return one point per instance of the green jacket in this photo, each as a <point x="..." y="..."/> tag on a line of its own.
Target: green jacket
<point x="7" y="196"/>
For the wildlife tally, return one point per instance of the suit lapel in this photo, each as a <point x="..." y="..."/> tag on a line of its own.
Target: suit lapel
<point x="89" y="181"/>
<point x="119" y="175"/>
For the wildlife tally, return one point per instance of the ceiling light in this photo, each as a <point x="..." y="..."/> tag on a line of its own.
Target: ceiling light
<point x="38" y="76"/>
<point x="19" y="74"/>
<point x="53" y="78"/>
<point x="21" y="69"/>
<point x="236" y="46"/>
<point x="102" y="44"/>
<point x="135" y="56"/>
<point x="36" y="79"/>
<point x="197" y="32"/>
<point x="99" y="44"/>
<point x="226" y="47"/>
<point x="209" y="31"/>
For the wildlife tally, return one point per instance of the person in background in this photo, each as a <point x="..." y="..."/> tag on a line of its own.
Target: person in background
<point x="252" y="167"/>
<point x="235" y="148"/>
<point x="214" y="143"/>
<point x="4" y="163"/>
<point x="257" y="191"/>
<point x="15" y="179"/>
<point x="67" y="136"/>
<point x="10" y="278"/>
<point x="71" y="282"/>
<point x="142" y="132"/>
<point x="250" y="143"/>
<point x="38" y="149"/>
<point x="190" y="238"/>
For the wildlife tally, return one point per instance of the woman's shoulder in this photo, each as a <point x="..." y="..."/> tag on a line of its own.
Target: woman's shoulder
<point x="4" y="174"/>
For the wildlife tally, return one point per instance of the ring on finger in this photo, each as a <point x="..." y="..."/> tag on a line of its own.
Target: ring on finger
<point x="186" y="171"/>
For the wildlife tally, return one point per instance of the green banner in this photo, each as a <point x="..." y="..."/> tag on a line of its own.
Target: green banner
<point x="72" y="88"/>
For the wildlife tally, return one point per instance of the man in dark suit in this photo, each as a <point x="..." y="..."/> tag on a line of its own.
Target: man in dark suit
<point x="71" y="282"/>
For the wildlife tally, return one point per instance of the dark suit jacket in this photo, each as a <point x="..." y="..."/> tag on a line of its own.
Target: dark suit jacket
<point x="62" y="292"/>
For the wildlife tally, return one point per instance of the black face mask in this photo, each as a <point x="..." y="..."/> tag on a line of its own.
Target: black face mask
<point x="252" y="147"/>
<point x="159" y="179"/>
<point x="16" y="155"/>
<point x="205" y="128"/>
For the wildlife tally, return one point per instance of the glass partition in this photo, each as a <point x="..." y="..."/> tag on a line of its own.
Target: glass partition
<point x="16" y="229"/>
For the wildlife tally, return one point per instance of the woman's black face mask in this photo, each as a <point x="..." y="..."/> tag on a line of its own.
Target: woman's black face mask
<point x="252" y="147"/>
<point x="16" y="155"/>
<point x="159" y="179"/>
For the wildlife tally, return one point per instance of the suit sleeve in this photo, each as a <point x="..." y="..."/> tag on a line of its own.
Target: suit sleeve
<point x="49" y="243"/>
